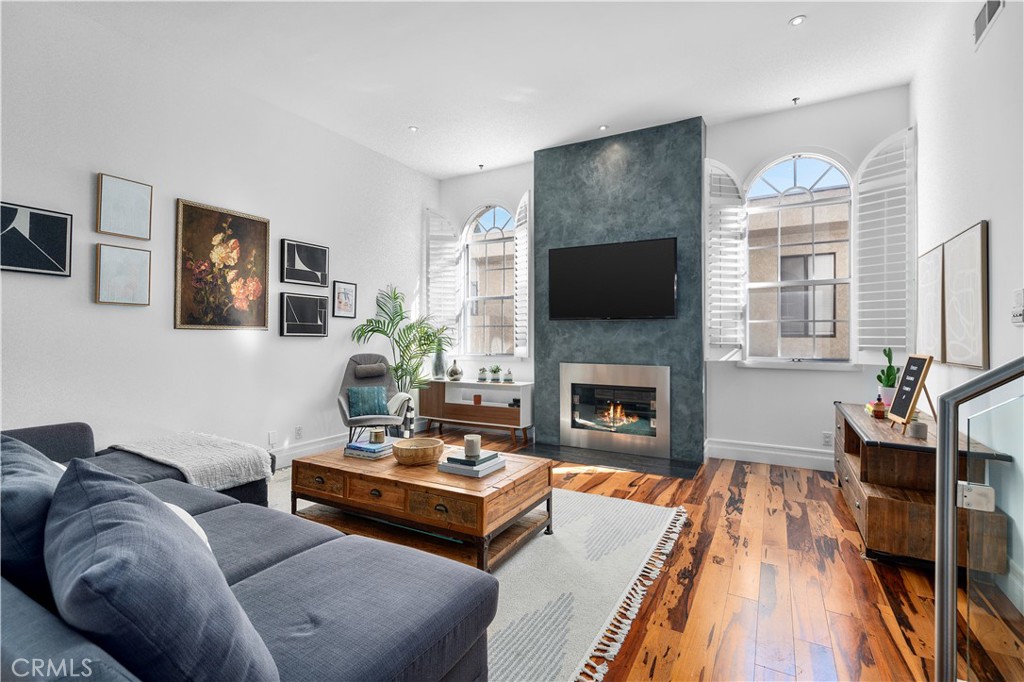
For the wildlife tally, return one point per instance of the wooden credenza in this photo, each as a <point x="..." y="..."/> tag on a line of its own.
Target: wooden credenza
<point x="451" y="402"/>
<point x="888" y="481"/>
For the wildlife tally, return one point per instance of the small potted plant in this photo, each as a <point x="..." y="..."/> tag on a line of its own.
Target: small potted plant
<point x="482" y="374"/>
<point x="496" y="374"/>
<point x="508" y="377"/>
<point x="887" y="379"/>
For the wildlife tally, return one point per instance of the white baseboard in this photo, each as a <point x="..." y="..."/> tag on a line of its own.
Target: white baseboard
<point x="1012" y="584"/>
<point x="765" y="453"/>
<point x="285" y="455"/>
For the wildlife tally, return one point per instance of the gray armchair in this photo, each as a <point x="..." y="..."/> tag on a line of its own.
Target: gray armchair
<point x="371" y="369"/>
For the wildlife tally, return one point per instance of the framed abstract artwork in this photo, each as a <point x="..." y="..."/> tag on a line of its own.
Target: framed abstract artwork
<point x="303" y="315"/>
<point x="344" y="299"/>
<point x="123" y="207"/>
<point x="929" y="304"/>
<point x="122" y="275"/>
<point x="303" y="263"/>
<point x="965" y="297"/>
<point x="222" y="268"/>
<point x="35" y="240"/>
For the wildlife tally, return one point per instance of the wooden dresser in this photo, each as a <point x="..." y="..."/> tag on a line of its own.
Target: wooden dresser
<point x="888" y="481"/>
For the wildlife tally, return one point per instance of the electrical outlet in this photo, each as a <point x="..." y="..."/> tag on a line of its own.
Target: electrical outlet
<point x="1017" y="311"/>
<point x="271" y="438"/>
<point x="298" y="433"/>
<point x="826" y="438"/>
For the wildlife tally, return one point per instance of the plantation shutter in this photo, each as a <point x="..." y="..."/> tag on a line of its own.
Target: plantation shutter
<point x="442" y="270"/>
<point x="885" y="255"/>
<point x="522" y="278"/>
<point x="725" y="258"/>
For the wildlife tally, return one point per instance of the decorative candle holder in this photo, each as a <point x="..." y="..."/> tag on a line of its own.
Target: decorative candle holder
<point x="472" y="446"/>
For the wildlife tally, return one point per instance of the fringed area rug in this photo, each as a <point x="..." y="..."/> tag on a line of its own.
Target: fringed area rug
<point x="572" y="596"/>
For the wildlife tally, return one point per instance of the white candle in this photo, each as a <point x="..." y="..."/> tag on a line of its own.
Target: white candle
<point x="472" y="446"/>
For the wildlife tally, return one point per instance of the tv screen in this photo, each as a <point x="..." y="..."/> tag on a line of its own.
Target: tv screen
<point x="625" y="281"/>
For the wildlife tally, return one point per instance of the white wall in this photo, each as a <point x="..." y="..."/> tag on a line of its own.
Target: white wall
<point x="79" y="99"/>
<point x="459" y="198"/>
<point x="779" y="415"/>
<point x="969" y="108"/>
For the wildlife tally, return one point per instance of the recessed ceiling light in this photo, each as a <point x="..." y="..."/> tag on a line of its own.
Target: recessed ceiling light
<point x="413" y="129"/>
<point x="602" y="128"/>
<point x="798" y="19"/>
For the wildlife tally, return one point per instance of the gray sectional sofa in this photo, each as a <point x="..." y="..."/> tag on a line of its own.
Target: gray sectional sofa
<point x="322" y="605"/>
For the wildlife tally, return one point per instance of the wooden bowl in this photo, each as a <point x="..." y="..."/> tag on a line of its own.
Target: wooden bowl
<point x="418" y="451"/>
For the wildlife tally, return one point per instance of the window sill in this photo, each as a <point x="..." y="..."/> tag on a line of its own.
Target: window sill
<point x="803" y="365"/>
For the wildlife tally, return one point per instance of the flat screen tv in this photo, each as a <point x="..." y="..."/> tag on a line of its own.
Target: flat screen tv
<point x="624" y="281"/>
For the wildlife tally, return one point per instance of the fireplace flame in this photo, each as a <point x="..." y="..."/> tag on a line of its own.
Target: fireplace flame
<point x="616" y="416"/>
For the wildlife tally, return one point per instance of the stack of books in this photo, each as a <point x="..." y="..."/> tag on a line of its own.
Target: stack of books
<point x="488" y="463"/>
<point x="365" y="450"/>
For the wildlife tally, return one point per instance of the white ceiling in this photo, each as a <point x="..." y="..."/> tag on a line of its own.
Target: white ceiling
<point x="489" y="83"/>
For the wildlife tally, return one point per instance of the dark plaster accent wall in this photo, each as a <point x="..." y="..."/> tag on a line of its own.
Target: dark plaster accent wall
<point x="644" y="184"/>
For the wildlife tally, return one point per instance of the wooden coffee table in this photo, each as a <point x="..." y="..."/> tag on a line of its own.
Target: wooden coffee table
<point x="479" y="521"/>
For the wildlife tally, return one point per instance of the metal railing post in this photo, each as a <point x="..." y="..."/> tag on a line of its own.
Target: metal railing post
<point x="948" y="445"/>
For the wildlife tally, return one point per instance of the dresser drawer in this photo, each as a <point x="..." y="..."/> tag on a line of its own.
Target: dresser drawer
<point x="448" y="510"/>
<point x="375" y="493"/>
<point x="853" y="493"/>
<point x="323" y="480"/>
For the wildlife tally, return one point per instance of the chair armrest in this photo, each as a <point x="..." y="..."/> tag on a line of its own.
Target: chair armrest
<point x="343" y="407"/>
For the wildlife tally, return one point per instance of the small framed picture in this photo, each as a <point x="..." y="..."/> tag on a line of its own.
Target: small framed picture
<point x="123" y="207"/>
<point x="344" y="299"/>
<point x="122" y="275"/>
<point x="303" y="263"/>
<point x="303" y="315"/>
<point x="35" y="240"/>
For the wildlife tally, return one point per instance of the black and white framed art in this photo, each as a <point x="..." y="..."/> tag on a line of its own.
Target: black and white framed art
<point x="303" y="263"/>
<point x="35" y="240"/>
<point x="344" y="299"/>
<point x="303" y="315"/>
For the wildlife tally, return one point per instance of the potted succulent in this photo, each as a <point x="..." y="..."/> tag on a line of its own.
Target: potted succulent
<point x="496" y="373"/>
<point x="887" y="378"/>
<point x="482" y="374"/>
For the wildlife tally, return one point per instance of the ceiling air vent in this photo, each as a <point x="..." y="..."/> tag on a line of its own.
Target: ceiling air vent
<point x="985" y="17"/>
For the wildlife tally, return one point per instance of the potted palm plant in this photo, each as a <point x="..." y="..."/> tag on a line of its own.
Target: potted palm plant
<point x="412" y="340"/>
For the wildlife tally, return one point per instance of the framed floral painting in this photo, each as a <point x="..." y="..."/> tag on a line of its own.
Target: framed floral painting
<point x="222" y="269"/>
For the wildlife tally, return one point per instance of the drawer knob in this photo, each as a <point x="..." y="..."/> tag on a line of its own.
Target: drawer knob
<point x="857" y="503"/>
<point x="440" y="508"/>
<point x="319" y="479"/>
<point x="374" y="493"/>
<point x="846" y="478"/>
<point x="838" y="428"/>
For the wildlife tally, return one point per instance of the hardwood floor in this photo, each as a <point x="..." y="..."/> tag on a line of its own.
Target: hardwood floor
<point x="767" y="582"/>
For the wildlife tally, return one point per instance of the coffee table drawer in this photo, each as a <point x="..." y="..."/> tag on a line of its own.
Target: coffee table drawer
<point x="375" y="493"/>
<point x="445" y="509"/>
<point x="324" y="480"/>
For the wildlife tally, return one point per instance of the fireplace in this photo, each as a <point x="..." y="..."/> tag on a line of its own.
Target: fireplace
<point x="616" y="408"/>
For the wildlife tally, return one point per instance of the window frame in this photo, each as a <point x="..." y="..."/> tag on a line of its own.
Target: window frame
<point x="470" y="301"/>
<point x="779" y="284"/>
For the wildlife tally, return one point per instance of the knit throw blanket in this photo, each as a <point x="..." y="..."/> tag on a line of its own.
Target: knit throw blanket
<point x="206" y="461"/>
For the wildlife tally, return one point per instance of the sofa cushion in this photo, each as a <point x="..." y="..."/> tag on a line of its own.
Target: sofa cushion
<point x="131" y="576"/>
<point x="367" y="400"/>
<point x="135" y="467"/>
<point x="27" y="481"/>
<point x="191" y="498"/>
<point x="362" y="609"/>
<point x="31" y="633"/>
<point x="246" y="538"/>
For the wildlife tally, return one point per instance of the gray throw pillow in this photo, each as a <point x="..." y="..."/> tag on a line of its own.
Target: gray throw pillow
<point x="130" y="575"/>
<point x="377" y="369"/>
<point x="27" y="481"/>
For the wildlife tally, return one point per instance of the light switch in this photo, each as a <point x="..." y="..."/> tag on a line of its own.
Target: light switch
<point x="1017" y="314"/>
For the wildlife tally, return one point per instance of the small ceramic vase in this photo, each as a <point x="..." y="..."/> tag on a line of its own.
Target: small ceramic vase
<point x="455" y="372"/>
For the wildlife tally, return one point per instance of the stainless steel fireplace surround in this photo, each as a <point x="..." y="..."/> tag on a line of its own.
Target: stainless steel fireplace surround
<point x="611" y="408"/>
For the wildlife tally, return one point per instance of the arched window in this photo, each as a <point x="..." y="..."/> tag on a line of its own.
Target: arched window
<point x="798" y="260"/>
<point x="488" y="310"/>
